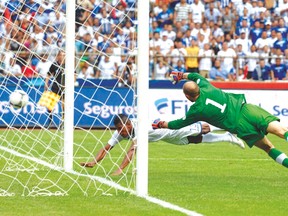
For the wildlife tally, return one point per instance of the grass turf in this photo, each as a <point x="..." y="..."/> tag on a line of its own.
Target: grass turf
<point x="212" y="179"/>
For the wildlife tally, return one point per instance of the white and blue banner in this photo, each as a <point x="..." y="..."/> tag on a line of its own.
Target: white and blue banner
<point x="97" y="107"/>
<point x="171" y="104"/>
<point x="93" y="108"/>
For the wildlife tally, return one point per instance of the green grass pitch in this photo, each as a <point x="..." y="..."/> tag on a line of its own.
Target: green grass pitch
<point x="211" y="179"/>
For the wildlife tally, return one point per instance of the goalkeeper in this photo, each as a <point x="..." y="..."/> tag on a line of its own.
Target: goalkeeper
<point x="125" y="128"/>
<point x="229" y="112"/>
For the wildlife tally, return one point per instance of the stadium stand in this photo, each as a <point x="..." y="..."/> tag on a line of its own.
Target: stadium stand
<point x="249" y="29"/>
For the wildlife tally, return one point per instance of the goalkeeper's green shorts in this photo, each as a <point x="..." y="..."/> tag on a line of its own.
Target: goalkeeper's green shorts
<point x="253" y="123"/>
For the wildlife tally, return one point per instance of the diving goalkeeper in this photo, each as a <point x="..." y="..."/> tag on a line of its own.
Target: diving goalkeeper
<point x="125" y="129"/>
<point x="229" y="112"/>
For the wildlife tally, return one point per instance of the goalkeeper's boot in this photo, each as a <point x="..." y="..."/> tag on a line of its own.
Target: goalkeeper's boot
<point x="236" y="141"/>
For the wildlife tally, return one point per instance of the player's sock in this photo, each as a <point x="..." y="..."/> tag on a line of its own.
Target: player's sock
<point x="279" y="157"/>
<point x="211" y="137"/>
<point x="286" y="135"/>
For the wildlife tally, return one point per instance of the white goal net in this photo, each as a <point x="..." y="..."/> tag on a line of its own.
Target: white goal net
<point x="32" y="58"/>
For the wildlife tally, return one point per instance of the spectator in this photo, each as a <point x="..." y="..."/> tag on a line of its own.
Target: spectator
<point x="263" y="41"/>
<point x="267" y="28"/>
<point x="13" y="68"/>
<point x="154" y="28"/>
<point x="170" y="33"/>
<point x="126" y="77"/>
<point x="201" y="41"/>
<point x="227" y="56"/>
<point x="122" y="64"/>
<point x="282" y="9"/>
<point x="180" y="66"/>
<point x="282" y="28"/>
<point x="106" y="22"/>
<point x="84" y="29"/>
<point x="230" y="41"/>
<point x="165" y="17"/>
<point x="252" y="60"/>
<point x="84" y="44"/>
<point x="204" y="30"/>
<point x="182" y="11"/>
<point x="272" y="38"/>
<point x="178" y="53"/>
<point x="218" y="32"/>
<point x="28" y="70"/>
<point x="197" y="11"/>
<point x="205" y="60"/>
<point x="128" y="28"/>
<point x="192" y="57"/>
<point x="248" y="6"/>
<point x="279" y="70"/>
<point x="214" y="46"/>
<point x="280" y="43"/>
<point x="187" y="38"/>
<point x="58" y="21"/>
<point x="243" y="28"/>
<point x="166" y="45"/>
<point x="161" y="71"/>
<point x="180" y="26"/>
<point x="219" y="74"/>
<point x="51" y="33"/>
<point x="246" y="43"/>
<point x="104" y="44"/>
<point x="43" y="65"/>
<point x="241" y="60"/>
<point x="262" y="71"/>
<point x="255" y="32"/>
<point x="41" y="18"/>
<point x="265" y="54"/>
<point x="195" y="28"/>
<point x="86" y="71"/>
<point x="38" y="35"/>
<point x="155" y="43"/>
<point x="277" y="54"/>
<point x="212" y="13"/>
<point x="228" y="20"/>
<point x="106" y="69"/>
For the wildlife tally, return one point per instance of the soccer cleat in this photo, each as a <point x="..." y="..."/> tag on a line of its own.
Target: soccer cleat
<point x="236" y="141"/>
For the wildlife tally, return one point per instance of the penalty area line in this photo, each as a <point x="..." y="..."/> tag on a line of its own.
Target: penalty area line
<point x="151" y="199"/>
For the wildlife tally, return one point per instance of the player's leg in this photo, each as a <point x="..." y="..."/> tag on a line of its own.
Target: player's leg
<point x="278" y="129"/>
<point x="225" y="137"/>
<point x="274" y="153"/>
<point x="178" y="137"/>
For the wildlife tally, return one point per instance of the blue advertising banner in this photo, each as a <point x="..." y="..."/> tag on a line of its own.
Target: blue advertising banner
<point x="94" y="107"/>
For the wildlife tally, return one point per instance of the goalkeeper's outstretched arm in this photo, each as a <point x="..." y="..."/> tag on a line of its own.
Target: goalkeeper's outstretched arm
<point x="100" y="155"/>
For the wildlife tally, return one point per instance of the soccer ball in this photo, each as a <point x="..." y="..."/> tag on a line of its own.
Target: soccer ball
<point x="18" y="99"/>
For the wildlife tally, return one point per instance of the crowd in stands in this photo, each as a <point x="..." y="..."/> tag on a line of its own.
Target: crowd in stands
<point x="220" y="39"/>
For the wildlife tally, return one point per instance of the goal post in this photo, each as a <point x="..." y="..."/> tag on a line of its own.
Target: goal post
<point x="69" y="86"/>
<point x="142" y="105"/>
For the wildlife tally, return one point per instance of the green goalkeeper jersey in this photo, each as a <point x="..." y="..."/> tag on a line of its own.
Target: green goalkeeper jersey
<point x="214" y="106"/>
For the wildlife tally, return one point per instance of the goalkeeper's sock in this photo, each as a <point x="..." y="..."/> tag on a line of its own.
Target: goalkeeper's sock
<point x="286" y="135"/>
<point x="279" y="157"/>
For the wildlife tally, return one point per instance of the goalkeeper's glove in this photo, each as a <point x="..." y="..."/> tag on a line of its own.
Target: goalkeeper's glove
<point x="157" y="124"/>
<point x="176" y="77"/>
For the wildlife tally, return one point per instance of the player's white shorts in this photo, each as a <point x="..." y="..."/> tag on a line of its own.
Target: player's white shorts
<point x="178" y="137"/>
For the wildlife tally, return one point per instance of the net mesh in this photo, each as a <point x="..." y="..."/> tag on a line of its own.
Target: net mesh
<point x="31" y="138"/>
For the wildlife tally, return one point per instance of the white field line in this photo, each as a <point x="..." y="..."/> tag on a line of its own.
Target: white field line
<point x="106" y="182"/>
<point x="197" y="159"/>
